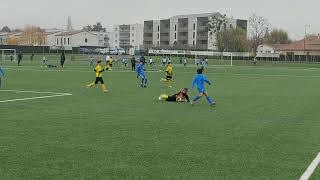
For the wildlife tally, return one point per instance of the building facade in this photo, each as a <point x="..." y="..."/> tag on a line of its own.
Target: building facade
<point x="77" y="39"/>
<point x="128" y="36"/>
<point x="186" y="31"/>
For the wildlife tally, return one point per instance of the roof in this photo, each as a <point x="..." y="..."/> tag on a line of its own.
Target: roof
<point x="70" y="33"/>
<point x="197" y="15"/>
<point x="9" y="33"/>
<point x="311" y="43"/>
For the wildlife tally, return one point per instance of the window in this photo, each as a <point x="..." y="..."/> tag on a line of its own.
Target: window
<point x="194" y="35"/>
<point x="158" y="43"/>
<point x="116" y="35"/>
<point x="231" y="27"/>
<point x="116" y="41"/>
<point x="193" y="43"/>
<point x="64" y="41"/>
<point x="85" y="40"/>
<point x="194" y="26"/>
<point x="61" y="41"/>
<point x="175" y="27"/>
<point x="132" y="28"/>
<point x="68" y="41"/>
<point x="158" y="36"/>
<point x="158" y="28"/>
<point x="57" y="41"/>
<point x="175" y="35"/>
<point x="132" y="34"/>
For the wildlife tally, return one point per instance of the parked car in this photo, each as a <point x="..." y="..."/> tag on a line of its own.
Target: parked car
<point x="84" y="50"/>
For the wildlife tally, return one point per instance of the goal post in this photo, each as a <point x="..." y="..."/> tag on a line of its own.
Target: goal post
<point x="8" y="54"/>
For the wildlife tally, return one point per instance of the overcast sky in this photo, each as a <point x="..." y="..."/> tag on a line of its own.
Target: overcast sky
<point x="291" y="15"/>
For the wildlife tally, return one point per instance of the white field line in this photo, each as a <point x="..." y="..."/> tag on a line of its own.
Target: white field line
<point x="35" y="92"/>
<point x="307" y="174"/>
<point x="233" y="74"/>
<point x="33" y="98"/>
<point x="75" y="70"/>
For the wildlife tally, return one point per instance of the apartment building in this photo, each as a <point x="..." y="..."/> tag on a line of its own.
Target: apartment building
<point x="127" y="36"/>
<point x="186" y="31"/>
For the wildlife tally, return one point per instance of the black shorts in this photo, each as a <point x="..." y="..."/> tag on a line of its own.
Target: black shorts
<point x="99" y="79"/>
<point x="172" y="99"/>
<point x="168" y="78"/>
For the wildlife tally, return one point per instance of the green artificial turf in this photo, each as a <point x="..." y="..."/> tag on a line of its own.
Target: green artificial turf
<point x="266" y="124"/>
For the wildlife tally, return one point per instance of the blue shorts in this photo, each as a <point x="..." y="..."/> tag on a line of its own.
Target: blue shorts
<point x="201" y="90"/>
<point x="142" y="76"/>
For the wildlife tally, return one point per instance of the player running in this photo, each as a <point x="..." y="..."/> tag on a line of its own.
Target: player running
<point x="1" y="75"/>
<point x="200" y="80"/>
<point x="91" y="60"/>
<point x="62" y="59"/>
<point x="169" y="74"/>
<point x="141" y="74"/>
<point x="99" y="69"/>
<point x="181" y="96"/>
<point x="109" y="64"/>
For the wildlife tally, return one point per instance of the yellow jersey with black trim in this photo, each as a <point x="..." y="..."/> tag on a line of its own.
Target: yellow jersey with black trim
<point x="99" y="69"/>
<point x="169" y="70"/>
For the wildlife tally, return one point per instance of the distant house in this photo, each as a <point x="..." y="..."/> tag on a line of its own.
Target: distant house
<point x="303" y="50"/>
<point x="264" y="48"/>
<point x="76" y="39"/>
<point x="11" y="38"/>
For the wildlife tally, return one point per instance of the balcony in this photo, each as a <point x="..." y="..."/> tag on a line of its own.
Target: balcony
<point x="182" y="38"/>
<point x="164" y="29"/>
<point x="164" y="37"/>
<point x="202" y="37"/>
<point x="147" y="38"/>
<point x="147" y="30"/>
<point x="182" y="29"/>
<point x="202" y="29"/>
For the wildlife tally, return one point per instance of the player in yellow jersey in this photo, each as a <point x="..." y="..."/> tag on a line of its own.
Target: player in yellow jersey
<point x="109" y="64"/>
<point x="169" y="74"/>
<point x="99" y="69"/>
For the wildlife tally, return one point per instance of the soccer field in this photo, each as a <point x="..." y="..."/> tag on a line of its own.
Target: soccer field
<point x="266" y="124"/>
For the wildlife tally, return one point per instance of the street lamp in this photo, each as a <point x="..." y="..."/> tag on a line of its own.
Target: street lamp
<point x="304" y="41"/>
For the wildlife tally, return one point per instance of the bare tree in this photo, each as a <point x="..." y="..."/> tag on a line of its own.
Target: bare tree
<point x="5" y="29"/>
<point x="259" y="27"/>
<point x="217" y="24"/>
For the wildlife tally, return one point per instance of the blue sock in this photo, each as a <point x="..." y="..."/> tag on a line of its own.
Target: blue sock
<point x="145" y="81"/>
<point x="209" y="99"/>
<point x="196" y="98"/>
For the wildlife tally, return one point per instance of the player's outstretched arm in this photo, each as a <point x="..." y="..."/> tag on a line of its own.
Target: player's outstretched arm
<point x="207" y="80"/>
<point x="194" y="82"/>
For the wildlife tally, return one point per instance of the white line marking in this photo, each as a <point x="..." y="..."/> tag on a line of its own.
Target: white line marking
<point x="33" y="98"/>
<point x="158" y="71"/>
<point x="35" y="92"/>
<point x="307" y="174"/>
<point x="75" y="70"/>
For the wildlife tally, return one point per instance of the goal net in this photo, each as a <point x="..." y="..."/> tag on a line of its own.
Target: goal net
<point x="200" y="58"/>
<point x="8" y="54"/>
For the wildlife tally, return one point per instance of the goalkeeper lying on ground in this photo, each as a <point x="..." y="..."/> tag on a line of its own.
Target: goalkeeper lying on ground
<point x="181" y="96"/>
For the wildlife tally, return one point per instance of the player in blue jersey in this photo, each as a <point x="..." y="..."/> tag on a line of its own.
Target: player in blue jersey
<point x="199" y="80"/>
<point x="141" y="74"/>
<point x="1" y="75"/>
